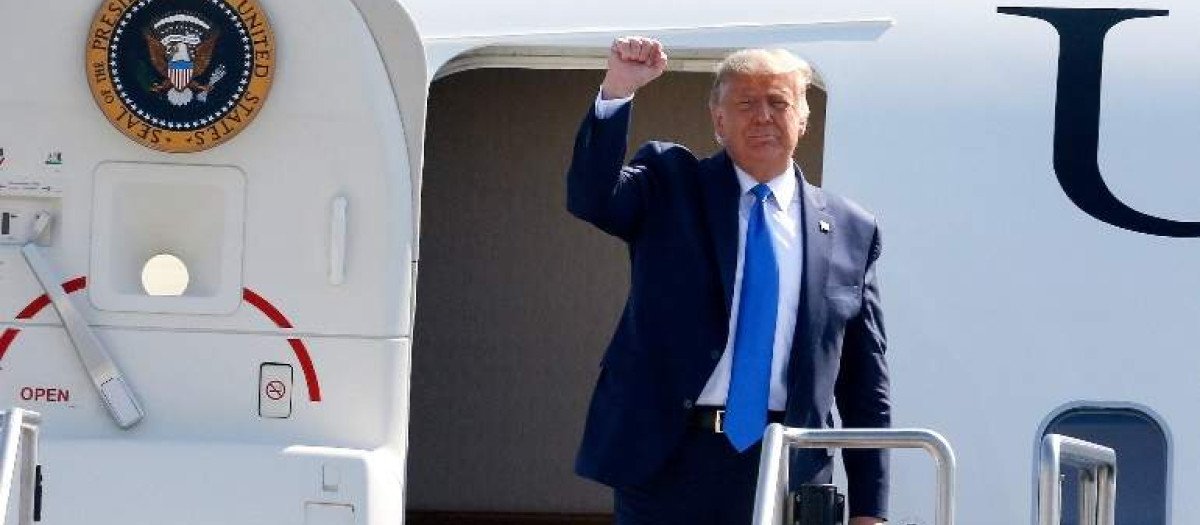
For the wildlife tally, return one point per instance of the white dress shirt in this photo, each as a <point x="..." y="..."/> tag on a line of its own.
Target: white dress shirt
<point x="783" y="220"/>
<point x="606" y="108"/>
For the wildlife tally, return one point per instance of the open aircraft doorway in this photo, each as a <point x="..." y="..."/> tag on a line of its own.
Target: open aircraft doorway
<point x="518" y="298"/>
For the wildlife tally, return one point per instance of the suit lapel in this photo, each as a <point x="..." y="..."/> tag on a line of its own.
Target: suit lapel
<point x="721" y="194"/>
<point x="818" y="245"/>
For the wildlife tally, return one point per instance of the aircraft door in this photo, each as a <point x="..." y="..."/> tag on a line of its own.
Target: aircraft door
<point x="207" y="253"/>
<point x="518" y="298"/>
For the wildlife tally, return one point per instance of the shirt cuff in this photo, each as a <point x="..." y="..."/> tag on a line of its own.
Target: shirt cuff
<point x="606" y="108"/>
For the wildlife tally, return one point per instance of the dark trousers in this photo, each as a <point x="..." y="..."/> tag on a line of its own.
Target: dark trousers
<point x="706" y="482"/>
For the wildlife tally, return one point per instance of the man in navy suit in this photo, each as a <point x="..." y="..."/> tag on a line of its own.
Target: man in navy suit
<point x="753" y="299"/>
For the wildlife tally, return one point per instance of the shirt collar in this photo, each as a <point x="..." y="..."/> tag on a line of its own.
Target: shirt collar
<point x="783" y="186"/>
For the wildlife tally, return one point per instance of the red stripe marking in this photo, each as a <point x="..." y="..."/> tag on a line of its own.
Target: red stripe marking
<point x="75" y="285"/>
<point x="310" y="373"/>
<point x="72" y="286"/>
<point x="34" y="307"/>
<point x="266" y="308"/>
<point x="7" y="339"/>
<point x="277" y="317"/>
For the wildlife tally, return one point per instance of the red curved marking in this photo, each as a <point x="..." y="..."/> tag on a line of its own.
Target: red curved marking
<point x="306" y="365"/>
<point x="266" y="307"/>
<point x="75" y="285"/>
<point x="277" y="317"/>
<point x="34" y="307"/>
<point x="7" y="339"/>
<point x="310" y="373"/>
<point x="72" y="286"/>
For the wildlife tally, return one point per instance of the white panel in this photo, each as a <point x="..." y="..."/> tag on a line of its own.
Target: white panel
<point x="330" y="127"/>
<point x="252" y="214"/>
<point x="22" y="198"/>
<point x="328" y="514"/>
<point x="190" y="483"/>
<point x="195" y="213"/>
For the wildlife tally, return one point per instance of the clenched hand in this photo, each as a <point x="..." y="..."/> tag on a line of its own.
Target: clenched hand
<point x="633" y="62"/>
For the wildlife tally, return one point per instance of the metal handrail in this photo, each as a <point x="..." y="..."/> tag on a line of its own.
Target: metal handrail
<point x="769" y="504"/>
<point x="19" y="434"/>
<point x="1097" y="480"/>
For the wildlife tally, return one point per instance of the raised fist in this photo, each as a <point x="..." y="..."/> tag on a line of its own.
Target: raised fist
<point x="633" y="62"/>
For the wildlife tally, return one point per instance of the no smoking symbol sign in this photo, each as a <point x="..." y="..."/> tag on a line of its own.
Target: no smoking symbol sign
<point x="276" y="390"/>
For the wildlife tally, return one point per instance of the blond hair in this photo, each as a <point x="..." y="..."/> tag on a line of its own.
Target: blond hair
<point x="760" y="62"/>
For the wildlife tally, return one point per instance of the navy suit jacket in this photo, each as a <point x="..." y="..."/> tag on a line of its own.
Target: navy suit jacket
<point x="679" y="217"/>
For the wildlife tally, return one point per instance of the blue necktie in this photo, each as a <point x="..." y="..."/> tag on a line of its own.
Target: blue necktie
<point x="754" y="339"/>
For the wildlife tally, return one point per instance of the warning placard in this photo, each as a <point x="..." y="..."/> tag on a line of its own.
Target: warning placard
<point x="275" y="390"/>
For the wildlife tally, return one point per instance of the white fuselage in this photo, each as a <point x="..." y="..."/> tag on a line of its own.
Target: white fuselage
<point x="1006" y="302"/>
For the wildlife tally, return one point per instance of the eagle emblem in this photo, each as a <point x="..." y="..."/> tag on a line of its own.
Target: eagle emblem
<point x="155" y="68"/>
<point x="181" y="49"/>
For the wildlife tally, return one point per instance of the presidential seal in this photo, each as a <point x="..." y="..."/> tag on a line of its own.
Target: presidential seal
<point x="180" y="75"/>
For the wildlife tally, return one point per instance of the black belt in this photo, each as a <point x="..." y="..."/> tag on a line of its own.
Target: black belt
<point x="712" y="419"/>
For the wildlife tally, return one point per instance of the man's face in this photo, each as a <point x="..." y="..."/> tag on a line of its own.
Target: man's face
<point x="759" y="119"/>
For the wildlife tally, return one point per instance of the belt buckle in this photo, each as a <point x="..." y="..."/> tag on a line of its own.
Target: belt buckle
<point x="719" y="421"/>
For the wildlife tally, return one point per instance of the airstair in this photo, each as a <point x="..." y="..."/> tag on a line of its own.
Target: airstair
<point x="19" y="453"/>
<point x="777" y="504"/>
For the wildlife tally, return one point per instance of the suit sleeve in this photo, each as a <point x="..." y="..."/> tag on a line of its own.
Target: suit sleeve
<point x="862" y="393"/>
<point x="600" y="190"/>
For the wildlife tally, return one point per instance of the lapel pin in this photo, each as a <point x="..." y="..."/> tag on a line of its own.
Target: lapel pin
<point x="825" y="226"/>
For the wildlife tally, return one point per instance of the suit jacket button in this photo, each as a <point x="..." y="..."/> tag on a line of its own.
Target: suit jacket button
<point x="687" y="404"/>
<point x="715" y="354"/>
